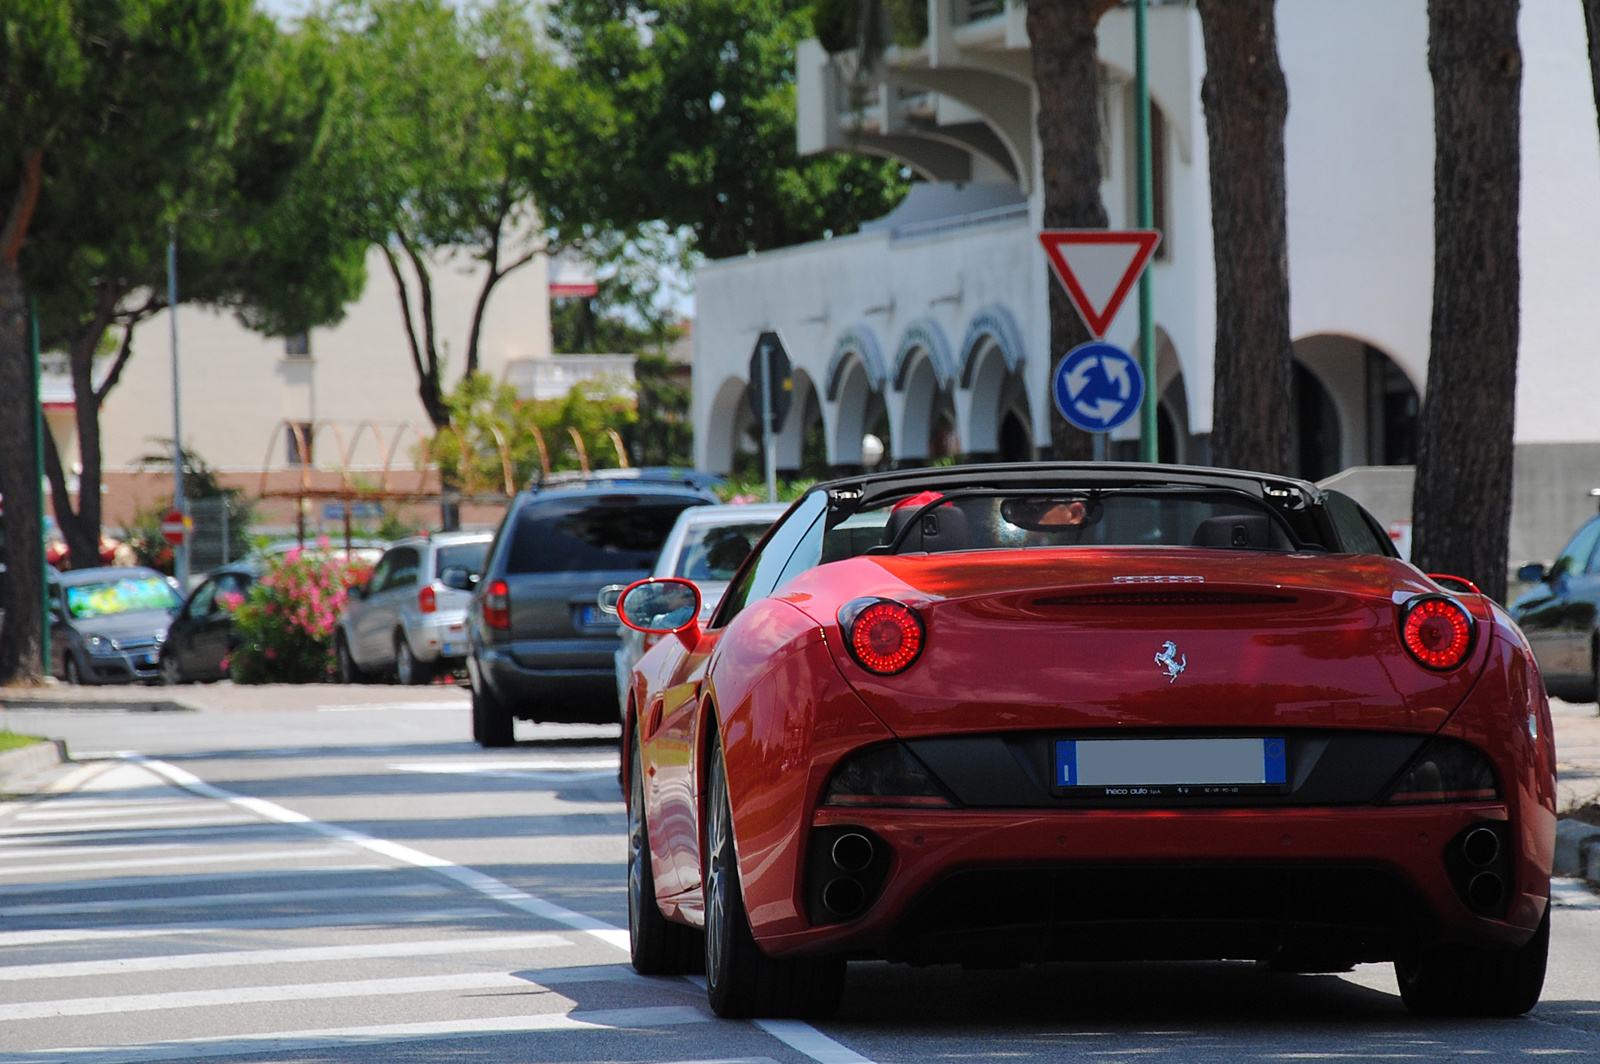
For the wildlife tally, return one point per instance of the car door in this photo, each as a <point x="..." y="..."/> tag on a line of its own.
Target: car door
<point x="1579" y="612"/>
<point x="185" y="632"/>
<point x="1543" y="616"/>
<point x="358" y="615"/>
<point x="214" y="638"/>
<point x="398" y="592"/>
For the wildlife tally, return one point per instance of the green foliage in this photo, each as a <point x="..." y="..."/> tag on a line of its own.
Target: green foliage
<point x="869" y="25"/>
<point x="663" y="435"/>
<point x="10" y="740"/>
<point x="286" y="623"/>
<point x="698" y="125"/>
<point x="748" y="490"/>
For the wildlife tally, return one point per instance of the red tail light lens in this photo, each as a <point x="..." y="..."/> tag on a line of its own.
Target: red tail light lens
<point x="497" y="605"/>
<point x="427" y="601"/>
<point x="884" y="637"/>
<point x="1436" y="631"/>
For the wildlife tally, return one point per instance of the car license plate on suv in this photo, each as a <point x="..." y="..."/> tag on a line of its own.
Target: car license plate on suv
<point x="1171" y="766"/>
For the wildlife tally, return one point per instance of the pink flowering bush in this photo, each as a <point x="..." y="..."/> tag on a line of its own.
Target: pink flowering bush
<point x="285" y="625"/>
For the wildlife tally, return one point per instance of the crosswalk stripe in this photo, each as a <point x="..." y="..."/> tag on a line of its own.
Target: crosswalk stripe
<point x="336" y="1038"/>
<point x="66" y="846"/>
<point x="167" y="862"/>
<point x="67" y="809"/>
<point x="150" y="882"/>
<point x="291" y="955"/>
<point x="217" y="818"/>
<point x="230" y="826"/>
<point x="50" y="936"/>
<point x="201" y="901"/>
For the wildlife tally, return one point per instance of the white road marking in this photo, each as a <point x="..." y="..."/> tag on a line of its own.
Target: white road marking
<point x="804" y="1038"/>
<point x="291" y="955"/>
<point x="470" y="878"/>
<point x="248" y="995"/>
<point x="71" y="846"/>
<point x="83" y="808"/>
<point x="367" y="707"/>
<point x="195" y="901"/>
<point x="531" y="764"/>
<point x="270" y="923"/>
<point x="337" y="1038"/>
<point x="167" y="862"/>
<point x="110" y="829"/>
<point x="197" y="877"/>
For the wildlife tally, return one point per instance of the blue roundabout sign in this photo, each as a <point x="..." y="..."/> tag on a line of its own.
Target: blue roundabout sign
<point x="1098" y="386"/>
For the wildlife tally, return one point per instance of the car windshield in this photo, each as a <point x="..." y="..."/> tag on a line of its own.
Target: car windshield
<point x="619" y="532"/>
<point x="468" y="556"/>
<point x="120" y="596"/>
<point x="714" y="552"/>
<point x="989" y="520"/>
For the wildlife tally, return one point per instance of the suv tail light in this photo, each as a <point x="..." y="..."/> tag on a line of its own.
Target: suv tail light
<point x="884" y="636"/>
<point x="427" y="602"/>
<point x="497" y="605"/>
<point x="1437" y="631"/>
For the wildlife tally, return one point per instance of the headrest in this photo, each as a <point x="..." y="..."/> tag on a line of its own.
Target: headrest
<point x="1235" y="532"/>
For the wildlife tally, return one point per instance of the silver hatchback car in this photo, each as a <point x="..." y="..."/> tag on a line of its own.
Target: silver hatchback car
<point x="409" y="621"/>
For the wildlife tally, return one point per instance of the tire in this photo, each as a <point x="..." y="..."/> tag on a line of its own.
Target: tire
<point x="741" y="980"/>
<point x="171" y="671"/>
<point x="492" y="724"/>
<point x="73" y="675"/>
<point x="408" y="671"/>
<point x="657" y="945"/>
<point x="345" y="669"/>
<point x="1457" y="981"/>
<point x="1591" y="691"/>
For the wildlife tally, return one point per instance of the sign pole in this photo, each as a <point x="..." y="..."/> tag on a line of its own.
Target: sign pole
<point x="1148" y="449"/>
<point x="180" y="552"/>
<point x="767" y="449"/>
<point x="39" y="429"/>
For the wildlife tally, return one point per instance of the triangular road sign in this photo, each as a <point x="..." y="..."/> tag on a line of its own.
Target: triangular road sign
<point x="1097" y="267"/>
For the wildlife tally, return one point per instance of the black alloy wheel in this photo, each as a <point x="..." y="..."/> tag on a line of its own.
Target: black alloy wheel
<point x="171" y="670"/>
<point x="657" y="945"/>
<point x="408" y="671"/>
<point x="345" y="668"/>
<point x="492" y="723"/>
<point x="741" y="980"/>
<point x="1460" y="981"/>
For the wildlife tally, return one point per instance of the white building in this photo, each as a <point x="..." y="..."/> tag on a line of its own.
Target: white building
<point x="931" y="325"/>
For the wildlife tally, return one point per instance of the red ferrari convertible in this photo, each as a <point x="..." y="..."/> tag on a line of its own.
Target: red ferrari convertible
<point x="993" y="715"/>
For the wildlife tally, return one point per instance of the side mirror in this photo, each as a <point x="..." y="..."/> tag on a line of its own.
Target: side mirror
<point x="458" y="577"/>
<point x="606" y="601"/>
<point x="665" y="606"/>
<point x="1532" y="573"/>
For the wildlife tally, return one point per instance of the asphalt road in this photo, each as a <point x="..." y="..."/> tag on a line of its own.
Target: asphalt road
<point x="363" y="884"/>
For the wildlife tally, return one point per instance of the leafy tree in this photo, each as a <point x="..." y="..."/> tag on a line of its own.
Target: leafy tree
<point x="1246" y="102"/>
<point x="691" y="124"/>
<point x="1066" y="76"/>
<point x="1462" y="501"/>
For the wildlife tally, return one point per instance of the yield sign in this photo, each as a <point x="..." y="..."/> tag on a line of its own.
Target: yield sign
<point x="1097" y="267"/>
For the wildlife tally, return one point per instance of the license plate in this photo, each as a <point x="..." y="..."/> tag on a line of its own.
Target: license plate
<point x="450" y="649"/>
<point x="591" y="615"/>
<point x="1171" y="766"/>
<point x="151" y="659"/>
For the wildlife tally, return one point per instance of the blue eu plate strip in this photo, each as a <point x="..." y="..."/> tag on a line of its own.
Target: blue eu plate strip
<point x="1276" y="767"/>
<point x="1066" y="763"/>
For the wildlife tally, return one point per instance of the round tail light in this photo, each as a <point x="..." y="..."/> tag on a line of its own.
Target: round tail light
<point x="884" y="637"/>
<point x="1437" y="632"/>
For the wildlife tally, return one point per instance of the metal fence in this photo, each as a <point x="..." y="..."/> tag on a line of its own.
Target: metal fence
<point x="221" y="532"/>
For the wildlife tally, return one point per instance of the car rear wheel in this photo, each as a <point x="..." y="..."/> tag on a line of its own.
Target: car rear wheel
<point x="741" y="980"/>
<point x="492" y="724"/>
<point x="1457" y="981"/>
<point x="171" y="671"/>
<point x="657" y="945"/>
<point x="345" y="668"/>
<point x="408" y="671"/>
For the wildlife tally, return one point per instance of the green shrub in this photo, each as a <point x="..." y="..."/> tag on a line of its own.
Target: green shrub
<point x="286" y="623"/>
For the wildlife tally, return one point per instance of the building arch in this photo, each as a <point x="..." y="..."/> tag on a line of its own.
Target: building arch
<point x="724" y="426"/>
<point x="1364" y="393"/>
<point x="858" y="344"/>
<point x="858" y="406"/>
<point x="998" y="419"/>
<point x="920" y="389"/>
<point x="924" y="337"/>
<point x="993" y="325"/>
<point x="802" y="405"/>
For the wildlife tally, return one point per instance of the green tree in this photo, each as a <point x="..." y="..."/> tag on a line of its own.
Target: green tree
<point x="213" y="119"/>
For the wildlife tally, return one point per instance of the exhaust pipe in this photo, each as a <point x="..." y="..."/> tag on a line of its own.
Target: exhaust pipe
<point x="852" y="852"/>
<point x="1486" y="890"/>
<point x="843" y="896"/>
<point x="1481" y="847"/>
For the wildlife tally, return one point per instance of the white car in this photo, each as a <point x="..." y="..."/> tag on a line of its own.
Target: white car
<point x="706" y="545"/>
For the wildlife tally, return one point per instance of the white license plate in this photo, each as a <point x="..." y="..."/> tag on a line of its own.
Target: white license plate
<point x="1175" y="762"/>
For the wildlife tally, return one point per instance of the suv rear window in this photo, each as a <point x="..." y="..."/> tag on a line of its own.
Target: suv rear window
<point x="468" y="556"/>
<point x="590" y="535"/>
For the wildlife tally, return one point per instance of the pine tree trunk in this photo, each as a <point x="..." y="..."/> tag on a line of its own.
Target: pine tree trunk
<point x="1462" y="504"/>
<point x="1066" y="75"/>
<point x="1247" y="103"/>
<point x="22" y="597"/>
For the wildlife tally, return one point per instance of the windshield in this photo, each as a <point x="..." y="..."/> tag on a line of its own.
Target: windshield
<point x="120" y="596"/>
<point x="468" y="556"/>
<point x="715" y="552"/>
<point x="989" y="520"/>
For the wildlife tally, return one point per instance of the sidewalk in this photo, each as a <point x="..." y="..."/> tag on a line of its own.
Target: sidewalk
<point x="1577" y="754"/>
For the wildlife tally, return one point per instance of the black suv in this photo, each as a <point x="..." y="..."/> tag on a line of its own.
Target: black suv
<point x="541" y="648"/>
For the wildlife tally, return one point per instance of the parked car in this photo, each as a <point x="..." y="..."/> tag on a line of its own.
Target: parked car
<point x="706" y="545"/>
<point x="1560" y="615"/>
<point x="410" y="618"/>
<point x="1018" y="714"/>
<point x="542" y="649"/>
<point x="107" y="624"/>
<point x="362" y="551"/>
<point x="202" y="634"/>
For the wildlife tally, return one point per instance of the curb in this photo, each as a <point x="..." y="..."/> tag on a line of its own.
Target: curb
<point x="111" y="705"/>
<point x="17" y="765"/>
